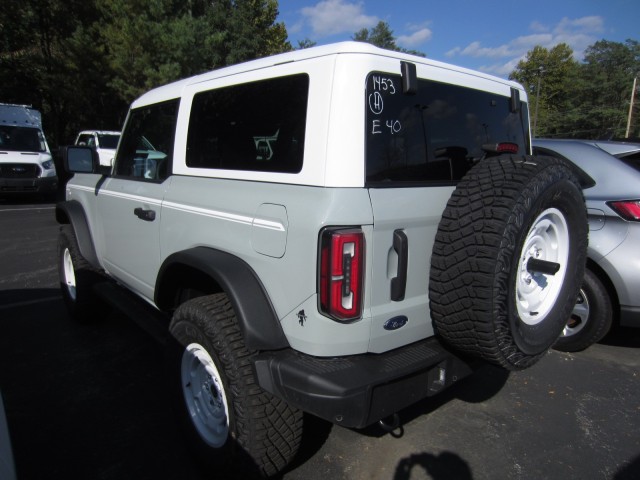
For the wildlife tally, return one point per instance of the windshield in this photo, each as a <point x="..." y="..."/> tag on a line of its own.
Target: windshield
<point x="437" y="134"/>
<point x="108" y="141"/>
<point x="21" y="139"/>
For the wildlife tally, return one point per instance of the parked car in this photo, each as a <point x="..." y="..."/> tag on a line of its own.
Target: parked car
<point x="609" y="293"/>
<point x="105" y="142"/>
<point x="26" y="164"/>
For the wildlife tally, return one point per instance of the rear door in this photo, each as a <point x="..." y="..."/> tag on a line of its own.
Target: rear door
<point x="418" y="145"/>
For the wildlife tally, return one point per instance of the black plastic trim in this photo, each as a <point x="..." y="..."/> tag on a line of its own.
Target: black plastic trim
<point x="399" y="283"/>
<point x="359" y="390"/>
<point x="255" y="313"/>
<point x="72" y="212"/>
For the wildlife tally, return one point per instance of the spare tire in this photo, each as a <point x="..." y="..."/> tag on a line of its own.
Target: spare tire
<point x="508" y="259"/>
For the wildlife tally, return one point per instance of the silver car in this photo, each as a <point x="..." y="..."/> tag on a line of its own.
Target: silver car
<point x="609" y="293"/>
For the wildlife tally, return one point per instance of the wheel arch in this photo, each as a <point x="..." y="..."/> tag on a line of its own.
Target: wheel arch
<point x="71" y="213"/>
<point x="202" y="271"/>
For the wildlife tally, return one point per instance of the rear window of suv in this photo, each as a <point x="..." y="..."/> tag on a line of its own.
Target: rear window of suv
<point x="256" y="126"/>
<point x="435" y="135"/>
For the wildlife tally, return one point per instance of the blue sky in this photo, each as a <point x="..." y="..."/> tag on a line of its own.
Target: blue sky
<point x="486" y="35"/>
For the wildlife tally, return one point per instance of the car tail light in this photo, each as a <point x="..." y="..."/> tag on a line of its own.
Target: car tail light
<point x="502" y="147"/>
<point x="627" y="209"/>
<point x="341" y="273"/>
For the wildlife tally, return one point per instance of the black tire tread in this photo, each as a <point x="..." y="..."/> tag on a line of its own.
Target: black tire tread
<point x="481" y="221"/>
<point x="265" y="427"/>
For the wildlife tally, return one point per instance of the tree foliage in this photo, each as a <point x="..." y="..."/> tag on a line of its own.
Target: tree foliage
<point x="588" y="99"/>
<point x="382" y="36"/>
<point x="81" y="62"/>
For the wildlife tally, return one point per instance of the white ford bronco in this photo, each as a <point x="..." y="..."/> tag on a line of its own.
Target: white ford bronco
<point x="341" y="230"/>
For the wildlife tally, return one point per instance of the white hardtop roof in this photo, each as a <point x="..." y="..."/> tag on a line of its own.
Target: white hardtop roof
<point x="174" y="90"/>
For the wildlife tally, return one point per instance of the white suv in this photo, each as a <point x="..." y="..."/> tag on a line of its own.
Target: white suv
<point x="338" y="230"/>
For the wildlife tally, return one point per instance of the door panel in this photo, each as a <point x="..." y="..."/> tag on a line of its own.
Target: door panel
<point x="130" y="210"/>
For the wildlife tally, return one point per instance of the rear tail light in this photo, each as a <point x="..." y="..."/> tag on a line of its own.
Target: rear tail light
<point x="502" y="147"/>
<point x="341" y="273"/>
<point x="627" y="209"/>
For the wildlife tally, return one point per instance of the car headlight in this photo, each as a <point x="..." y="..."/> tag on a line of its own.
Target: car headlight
<point x="48" y="165"/>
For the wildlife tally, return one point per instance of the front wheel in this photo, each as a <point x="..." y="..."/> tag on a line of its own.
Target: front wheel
<point x="591" y="317"/>
<point x="77" y="278"/>
<point x="230" y="420"/>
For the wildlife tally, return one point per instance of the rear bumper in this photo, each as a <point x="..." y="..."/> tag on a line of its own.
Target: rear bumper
<point x="359" y="390"/>
<point x="629" y="316"/>
<point x="28" y="185"/>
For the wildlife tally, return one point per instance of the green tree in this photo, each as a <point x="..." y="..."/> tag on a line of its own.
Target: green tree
<point x="306" y="43"/>
<point x="154" y="42"/>
<point x="608" y="72"/>
<point x="33" y="66"/>
<point x="81" y="62"/>
<point x="549" y="76"/>
<point x="382" y="36"/>
<point x="581" y="100"/>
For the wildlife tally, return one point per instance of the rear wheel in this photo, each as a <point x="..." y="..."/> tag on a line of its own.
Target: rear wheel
<point x="591" y="317"/>
<point x="230" y="420"/>
<point x="508" y="254"/>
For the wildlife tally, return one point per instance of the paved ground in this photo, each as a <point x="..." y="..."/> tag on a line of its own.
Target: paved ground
<point x="89" y="402"/>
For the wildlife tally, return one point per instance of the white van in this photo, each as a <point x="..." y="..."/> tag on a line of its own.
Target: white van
<point x="26" y="164"/>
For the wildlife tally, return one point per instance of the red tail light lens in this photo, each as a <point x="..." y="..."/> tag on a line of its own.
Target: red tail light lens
<point x="502" y="147"/>
<point x="341" y="273"/>
<point x="627" y="209"/>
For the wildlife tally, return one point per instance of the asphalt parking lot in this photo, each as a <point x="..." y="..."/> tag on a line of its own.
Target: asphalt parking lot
<point x="87" y="401"/>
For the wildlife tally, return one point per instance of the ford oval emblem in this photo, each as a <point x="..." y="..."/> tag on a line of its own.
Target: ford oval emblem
<point x="395" y="323"/>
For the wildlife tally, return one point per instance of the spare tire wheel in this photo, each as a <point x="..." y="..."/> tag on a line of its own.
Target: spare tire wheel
<point x="508" y="259"/>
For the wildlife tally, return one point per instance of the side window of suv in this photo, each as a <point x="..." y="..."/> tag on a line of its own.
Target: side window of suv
<point x="147" y="142"/>
<point x="257" y="126"/>
<point x="437" y="134"/>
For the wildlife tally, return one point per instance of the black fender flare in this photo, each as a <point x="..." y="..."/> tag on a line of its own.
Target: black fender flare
<point x="255" y="313"/>
<point x="71" y="212"/>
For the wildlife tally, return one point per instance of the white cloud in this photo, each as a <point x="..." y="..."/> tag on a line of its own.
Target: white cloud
<point x="578" y="33"/>
<point x="538" y="27"/>
<point x="330" y="17"/>
<point x="419" y="36"/>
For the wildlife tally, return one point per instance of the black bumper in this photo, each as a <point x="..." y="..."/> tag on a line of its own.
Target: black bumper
<point x="359" y="390"/>
<point x="28" y="185"/>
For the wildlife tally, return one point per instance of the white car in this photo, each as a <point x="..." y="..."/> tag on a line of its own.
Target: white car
<point x="105" y="142"/>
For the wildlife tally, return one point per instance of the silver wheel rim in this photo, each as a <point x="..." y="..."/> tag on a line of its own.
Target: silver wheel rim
<point x="579" y="316"/>
<point x="536" y="293"/>
<point x="204" y="395"/>
<point x="69" y="274"/>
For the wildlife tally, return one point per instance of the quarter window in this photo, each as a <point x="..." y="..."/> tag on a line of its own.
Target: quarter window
<point x="147" y="142"/>
<point x="258" y="126"/>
